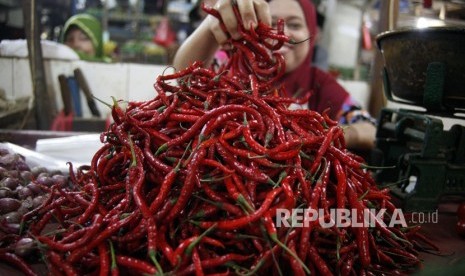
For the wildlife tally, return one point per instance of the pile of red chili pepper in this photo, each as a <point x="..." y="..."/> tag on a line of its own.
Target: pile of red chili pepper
<point x="191" y="182"/>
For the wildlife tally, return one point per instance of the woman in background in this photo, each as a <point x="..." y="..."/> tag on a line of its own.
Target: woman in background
<point x="83" y="33"/>
<point x="300" y="78"/>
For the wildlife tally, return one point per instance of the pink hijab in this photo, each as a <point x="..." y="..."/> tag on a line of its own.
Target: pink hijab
<point x="326" y="93"/>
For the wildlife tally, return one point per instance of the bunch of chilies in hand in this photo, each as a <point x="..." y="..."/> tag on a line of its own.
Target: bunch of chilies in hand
<point x="191" y="182"/>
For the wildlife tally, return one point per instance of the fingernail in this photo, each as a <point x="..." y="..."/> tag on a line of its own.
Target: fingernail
<point x="235" y="36"/>
<point x="251" y="24"/>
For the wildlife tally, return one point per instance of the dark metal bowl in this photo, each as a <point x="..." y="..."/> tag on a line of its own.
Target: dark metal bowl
<point x="407" y="54"/>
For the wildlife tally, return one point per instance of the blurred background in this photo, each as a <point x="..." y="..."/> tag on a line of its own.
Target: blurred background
<point x="131" y="25"/>
<point x="142" y="36"/>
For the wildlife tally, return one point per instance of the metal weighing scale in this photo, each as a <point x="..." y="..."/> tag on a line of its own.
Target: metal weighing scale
<point x="425" y="69"/>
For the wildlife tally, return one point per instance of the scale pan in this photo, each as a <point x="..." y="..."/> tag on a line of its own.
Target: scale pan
<point x="408" y="52"/>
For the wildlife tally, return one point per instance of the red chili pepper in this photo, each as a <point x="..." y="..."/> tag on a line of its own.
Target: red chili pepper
<point x="164" y="190"/>
<point x="104" y="259"/>
<point x="216" y="164"/>
<point x="347" y="265"/>
<point x="319" y="262"/>
<point x="290" y="199"/>
<point x="92" y="206"/>
<point x="103" y="151"/>
<point x="204" y="119"/>
<point x="324" y="146"/>
<point x="164" y="247"/>
<point x="102" y="236"/>
<point x="142" y="194"/>
<point x="138" y="232"/>
<point x="68" y="246"/>
<point x="249" y="172"/>
<point x="61" y="264"/>
<point x="243" y="221"/>
<point x="313" y="205"/>
<point x="231" y="188"/>
<point x="17" y="262"/>
<point x="38" y="226"/>
<point x="409" y="257"/>
<point x="251" y="142"/>
<point x="197" y="263"/>
<point x="214" y="262"/>
<point x="361" y="233"/>
<point x="136" y="174"/>
<point x="414" y="235"/>
<point x="262" y="160"/>
<point x="266" y="109"/>
<point x="219" y="122"/>
<point x="341" y="184"/>
<point x="304" y="184"/>
<point x="135" y="264"/>
<point x="186" y="192"/>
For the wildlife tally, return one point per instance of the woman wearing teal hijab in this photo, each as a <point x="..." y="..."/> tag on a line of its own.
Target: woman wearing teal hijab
<point x="83" y="33"/>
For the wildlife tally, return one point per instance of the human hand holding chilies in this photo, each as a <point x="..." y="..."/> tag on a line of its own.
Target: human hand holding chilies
<point x="251" y="12"/>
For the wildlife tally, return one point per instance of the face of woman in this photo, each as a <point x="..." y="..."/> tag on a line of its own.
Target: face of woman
<point x="295" y="27"/>
<point x="79" y="41"/>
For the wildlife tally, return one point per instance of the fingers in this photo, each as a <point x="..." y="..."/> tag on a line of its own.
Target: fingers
<point x="253" y="11"/>
<point x="225" y="8"/>
<point x="220" y="36"/>
<point x="250" y="12"/>
<point x="262" y="11"/>
<point x="247" y="12"/>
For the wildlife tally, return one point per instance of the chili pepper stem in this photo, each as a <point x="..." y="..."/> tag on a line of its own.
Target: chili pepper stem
<point x="217" y="179"/>
<point x="274" y="237"/>
<point x="369" y="167"/>
<point x="338" y="248"/>
<point x="282" y="175"/>
<point x="363" y="195"/>
<point x="292" y="41"/>
<point x="161" y="108"/>
<point x="191" y="246"/>
<point x="113" y="256"/>
<point x="101" y="101"/>
<point x="133" y="152"/>
<point x="244" y="204"/>
<point x="153" y="257"/>
<point x="214" y="203"/>
<point x="161" y="149"/>
<point x="393" y="184"/>
<point x="266" y="236"/>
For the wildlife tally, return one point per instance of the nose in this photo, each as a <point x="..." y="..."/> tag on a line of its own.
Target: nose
<point x="72" y="43"/>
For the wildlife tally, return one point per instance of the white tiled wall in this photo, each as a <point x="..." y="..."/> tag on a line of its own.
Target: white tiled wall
<point x="124" y="81"/>
<point x="342" y="35"/>
<point x="6" y="77"/>
<point x="359" y="90"/>
<point x="141" y="78"/>
<point x="22" y="85"/>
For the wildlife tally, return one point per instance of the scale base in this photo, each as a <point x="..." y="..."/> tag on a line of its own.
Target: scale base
<point x="428" y="162"/>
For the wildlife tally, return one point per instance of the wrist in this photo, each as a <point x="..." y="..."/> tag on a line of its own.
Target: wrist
<point x="360" y="136"/>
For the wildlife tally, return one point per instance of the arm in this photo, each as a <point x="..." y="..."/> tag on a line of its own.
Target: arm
<point x="202" y="44"/>
<point x="360" y="135"/>
<point x="359" y="127"/>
